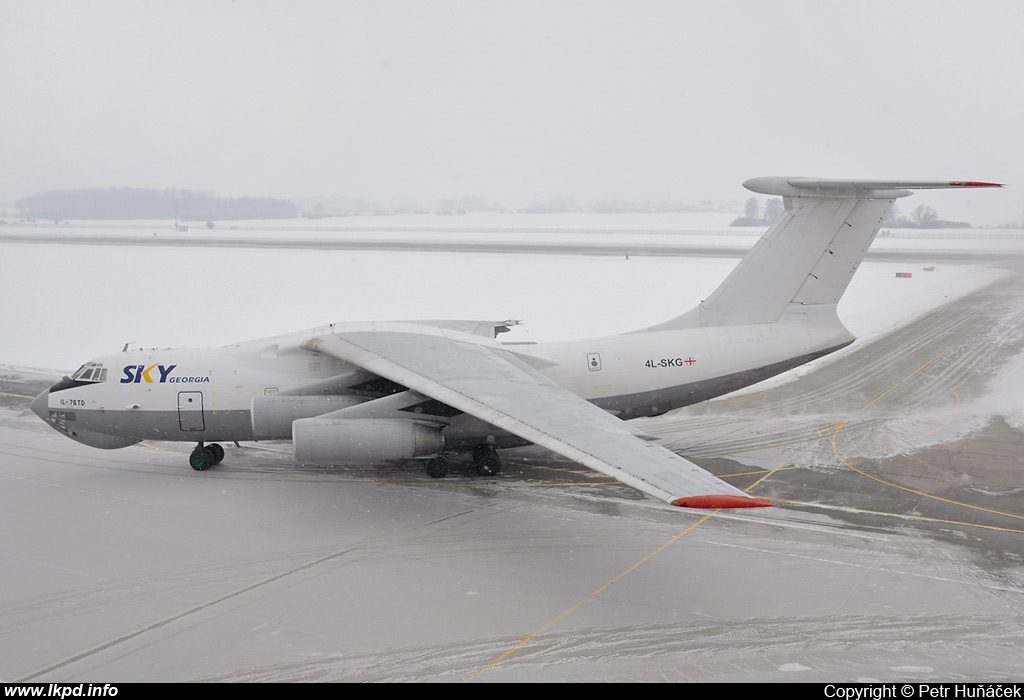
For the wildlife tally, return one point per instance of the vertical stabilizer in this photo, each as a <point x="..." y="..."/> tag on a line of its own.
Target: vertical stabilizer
<point x="809" y="256"/>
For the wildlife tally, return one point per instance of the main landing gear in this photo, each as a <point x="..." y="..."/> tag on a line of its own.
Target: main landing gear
<point x="485" y="460"/>
<point x="202" y="458"/>
<point x="438" y="467"/>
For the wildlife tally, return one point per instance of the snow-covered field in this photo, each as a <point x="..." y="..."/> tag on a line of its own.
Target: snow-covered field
<point x="61" y="305"/>
<point x="302" y="560"/>
<point x="652" y="230"/>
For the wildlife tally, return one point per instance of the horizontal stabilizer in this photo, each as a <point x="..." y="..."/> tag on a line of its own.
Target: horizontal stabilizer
<point x="859" y="189"/>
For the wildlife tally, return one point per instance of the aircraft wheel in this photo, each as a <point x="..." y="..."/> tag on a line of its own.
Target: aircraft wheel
<point x="217" y="451"/>
<point x="486" y="459"/>
<point x="481" y="451"/>
<point x="489" y="465"/>
<point x="438" y="467"/>
<point x="201" y="459"/>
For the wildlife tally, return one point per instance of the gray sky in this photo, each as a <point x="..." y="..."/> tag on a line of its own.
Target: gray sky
<point x="512" y="101"/>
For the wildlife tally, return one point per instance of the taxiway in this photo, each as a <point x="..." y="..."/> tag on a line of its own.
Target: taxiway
<point x="894" y="553"/>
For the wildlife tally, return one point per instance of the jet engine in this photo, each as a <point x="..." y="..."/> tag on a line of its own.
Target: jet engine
<point x="364" y="440"/>
<point x="272" y="416"/>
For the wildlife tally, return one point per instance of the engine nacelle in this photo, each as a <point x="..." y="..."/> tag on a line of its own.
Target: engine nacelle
<point x="364" y="440"/>
<point x="272" y="416"/>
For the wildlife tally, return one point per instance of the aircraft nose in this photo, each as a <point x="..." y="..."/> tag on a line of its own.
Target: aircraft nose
<point x="41" y="405"/>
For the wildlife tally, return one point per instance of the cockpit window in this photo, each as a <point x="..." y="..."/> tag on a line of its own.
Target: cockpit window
<point x="90" y="372"/>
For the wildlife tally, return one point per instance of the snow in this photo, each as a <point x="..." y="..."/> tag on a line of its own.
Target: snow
<point x="672" y="231"/>
<point x="878" y="302"/>
<point x="1004" y="396"/>
<point x="65" y="304"/>
<point x="246" y="574"/>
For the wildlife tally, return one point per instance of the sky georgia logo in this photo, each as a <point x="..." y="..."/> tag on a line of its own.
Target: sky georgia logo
<point x="158" y="374"/>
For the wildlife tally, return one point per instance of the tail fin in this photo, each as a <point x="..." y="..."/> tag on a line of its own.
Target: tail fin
<point x="809" y="256"/>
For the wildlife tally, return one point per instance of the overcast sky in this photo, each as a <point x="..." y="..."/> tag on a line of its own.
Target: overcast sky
<point x="512" y="101"/>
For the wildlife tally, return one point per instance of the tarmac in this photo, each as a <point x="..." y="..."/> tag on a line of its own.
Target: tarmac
<point x="894" y="552"/>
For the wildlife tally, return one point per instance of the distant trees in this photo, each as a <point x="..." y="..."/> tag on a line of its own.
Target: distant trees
<point x="923" y="217"/>
<point x="133" y="203"/>
<point x="752" y="216"/>
<point x="753" y="206"/>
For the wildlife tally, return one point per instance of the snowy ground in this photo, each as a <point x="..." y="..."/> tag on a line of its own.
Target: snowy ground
<point x="65" y="304"/>
<point x="72" y="302"/>
<point x="127" y="565"/>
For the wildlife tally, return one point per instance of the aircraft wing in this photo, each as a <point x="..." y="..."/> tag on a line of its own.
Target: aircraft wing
<point x="481" y="378"/>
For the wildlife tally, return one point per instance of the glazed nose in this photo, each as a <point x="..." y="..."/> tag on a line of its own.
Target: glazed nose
<point x="41" y="405"/>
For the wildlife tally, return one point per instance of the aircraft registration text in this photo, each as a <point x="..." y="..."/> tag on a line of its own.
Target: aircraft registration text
<point x="670" y="362"/>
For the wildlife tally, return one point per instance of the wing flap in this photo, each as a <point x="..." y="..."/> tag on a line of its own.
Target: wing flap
<point x="490" y="383"/>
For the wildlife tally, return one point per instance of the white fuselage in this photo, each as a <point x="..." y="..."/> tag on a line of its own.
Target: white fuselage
<point x="207" y="394"/>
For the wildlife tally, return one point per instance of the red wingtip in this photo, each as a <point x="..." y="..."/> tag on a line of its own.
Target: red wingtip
<point x="721" y="501"/>
<point x="974" y="183"/>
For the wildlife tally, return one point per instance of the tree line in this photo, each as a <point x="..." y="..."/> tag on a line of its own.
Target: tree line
<point x="922" y="217"/>
<point x="134" y="203"/>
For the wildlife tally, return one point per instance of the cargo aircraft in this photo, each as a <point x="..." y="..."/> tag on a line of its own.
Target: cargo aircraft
<point x="377" y="392"/>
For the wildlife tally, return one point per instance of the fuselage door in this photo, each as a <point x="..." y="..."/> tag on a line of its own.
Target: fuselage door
<point x="190" y="410"/>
